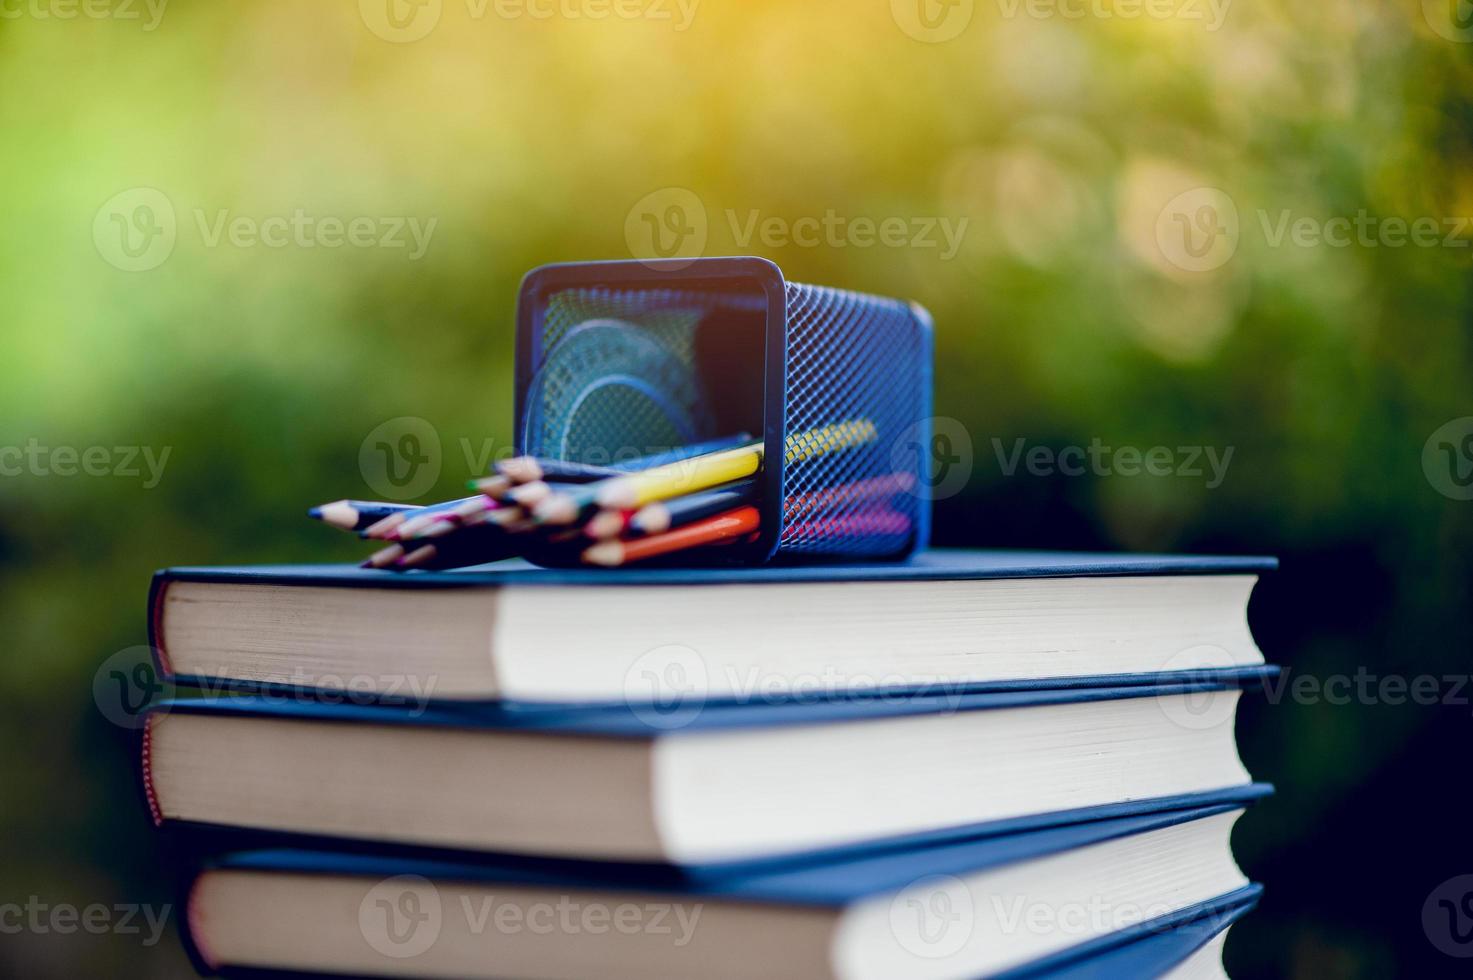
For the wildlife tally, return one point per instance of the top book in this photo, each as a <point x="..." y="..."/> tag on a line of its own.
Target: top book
<point x="957" y="620"/>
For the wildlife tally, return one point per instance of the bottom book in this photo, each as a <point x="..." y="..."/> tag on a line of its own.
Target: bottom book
<point x="1144" y="895"/>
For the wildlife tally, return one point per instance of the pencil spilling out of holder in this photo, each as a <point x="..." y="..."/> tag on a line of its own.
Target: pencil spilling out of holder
<point x="617" y="360"/>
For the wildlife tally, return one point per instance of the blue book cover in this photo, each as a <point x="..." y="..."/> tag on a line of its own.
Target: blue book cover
<point x="211" y="841"/>
<point x="647" y="721"/>
<point x="625" y="723"/>
<point x="1152" y="950"/>
<point x="938" y="564"/>
<point x="541" y="625"/>
<point x="1143" y="948"/>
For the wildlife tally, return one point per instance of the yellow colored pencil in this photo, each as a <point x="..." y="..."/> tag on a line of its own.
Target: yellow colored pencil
<point x="676" y="479"/>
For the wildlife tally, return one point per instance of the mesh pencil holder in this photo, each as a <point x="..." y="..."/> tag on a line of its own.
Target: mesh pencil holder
<point x="622" y="359"/>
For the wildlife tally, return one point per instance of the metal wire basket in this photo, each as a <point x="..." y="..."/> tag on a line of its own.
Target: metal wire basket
<point x="624" y="359"/>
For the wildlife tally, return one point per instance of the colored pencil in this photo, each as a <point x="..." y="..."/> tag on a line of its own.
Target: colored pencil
<point x="384" y="557"/>
<point x="438" y="524"/>
<point x="879" y="520"/>
<point x="688" y="451"/>
<point x="384" y="529"/>
<point x="355" y="515"/>
<point x="723" y="527"/>
<point x="635" y="490"/>
<point x="829" y="438"/>
<point x="468" y="546"/>
<point x="496" y="487"/>
<point x="872" y="489"/>
<point x="659" y="517"/>
<point x="603" y="525"/>
<point x="530" y="494"/>
<point x="530" y="469"/>
<point x="657" y="483"/>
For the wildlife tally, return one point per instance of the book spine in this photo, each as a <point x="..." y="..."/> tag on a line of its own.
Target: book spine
<point x="193" y="936"/>
<point x="146" y="772"/>
<point x="156" y="590"/>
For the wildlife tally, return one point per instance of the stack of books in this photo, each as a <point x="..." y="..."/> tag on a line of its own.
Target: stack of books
<point x="971" y="764"/>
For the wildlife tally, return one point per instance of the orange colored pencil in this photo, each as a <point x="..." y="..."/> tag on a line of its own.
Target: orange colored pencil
<point x="722" y="527"/>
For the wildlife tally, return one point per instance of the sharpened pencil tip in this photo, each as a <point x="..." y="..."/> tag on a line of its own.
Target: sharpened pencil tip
<point x="557" y="509"/>
<point x="315" y="513"/>
<point x="523" y="469"/>
<point x="505" y="516"/>
<point x="385" y="557"/>
<point x="608" y="554"/>
<point x="340" y="514"/>
<point x="616" y="495"/>
<point x="494" y="487"/>
<point x="528" y="494"/>
<point x="604" y="524"/>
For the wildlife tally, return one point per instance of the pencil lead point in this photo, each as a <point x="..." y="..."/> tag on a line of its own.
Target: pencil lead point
<point x="522" y="469"/>
<point x="557" y="509"/>
<point x="607" y="553"/>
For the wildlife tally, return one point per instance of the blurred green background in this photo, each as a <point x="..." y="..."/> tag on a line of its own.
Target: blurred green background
<point x="1090" y="296"/>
